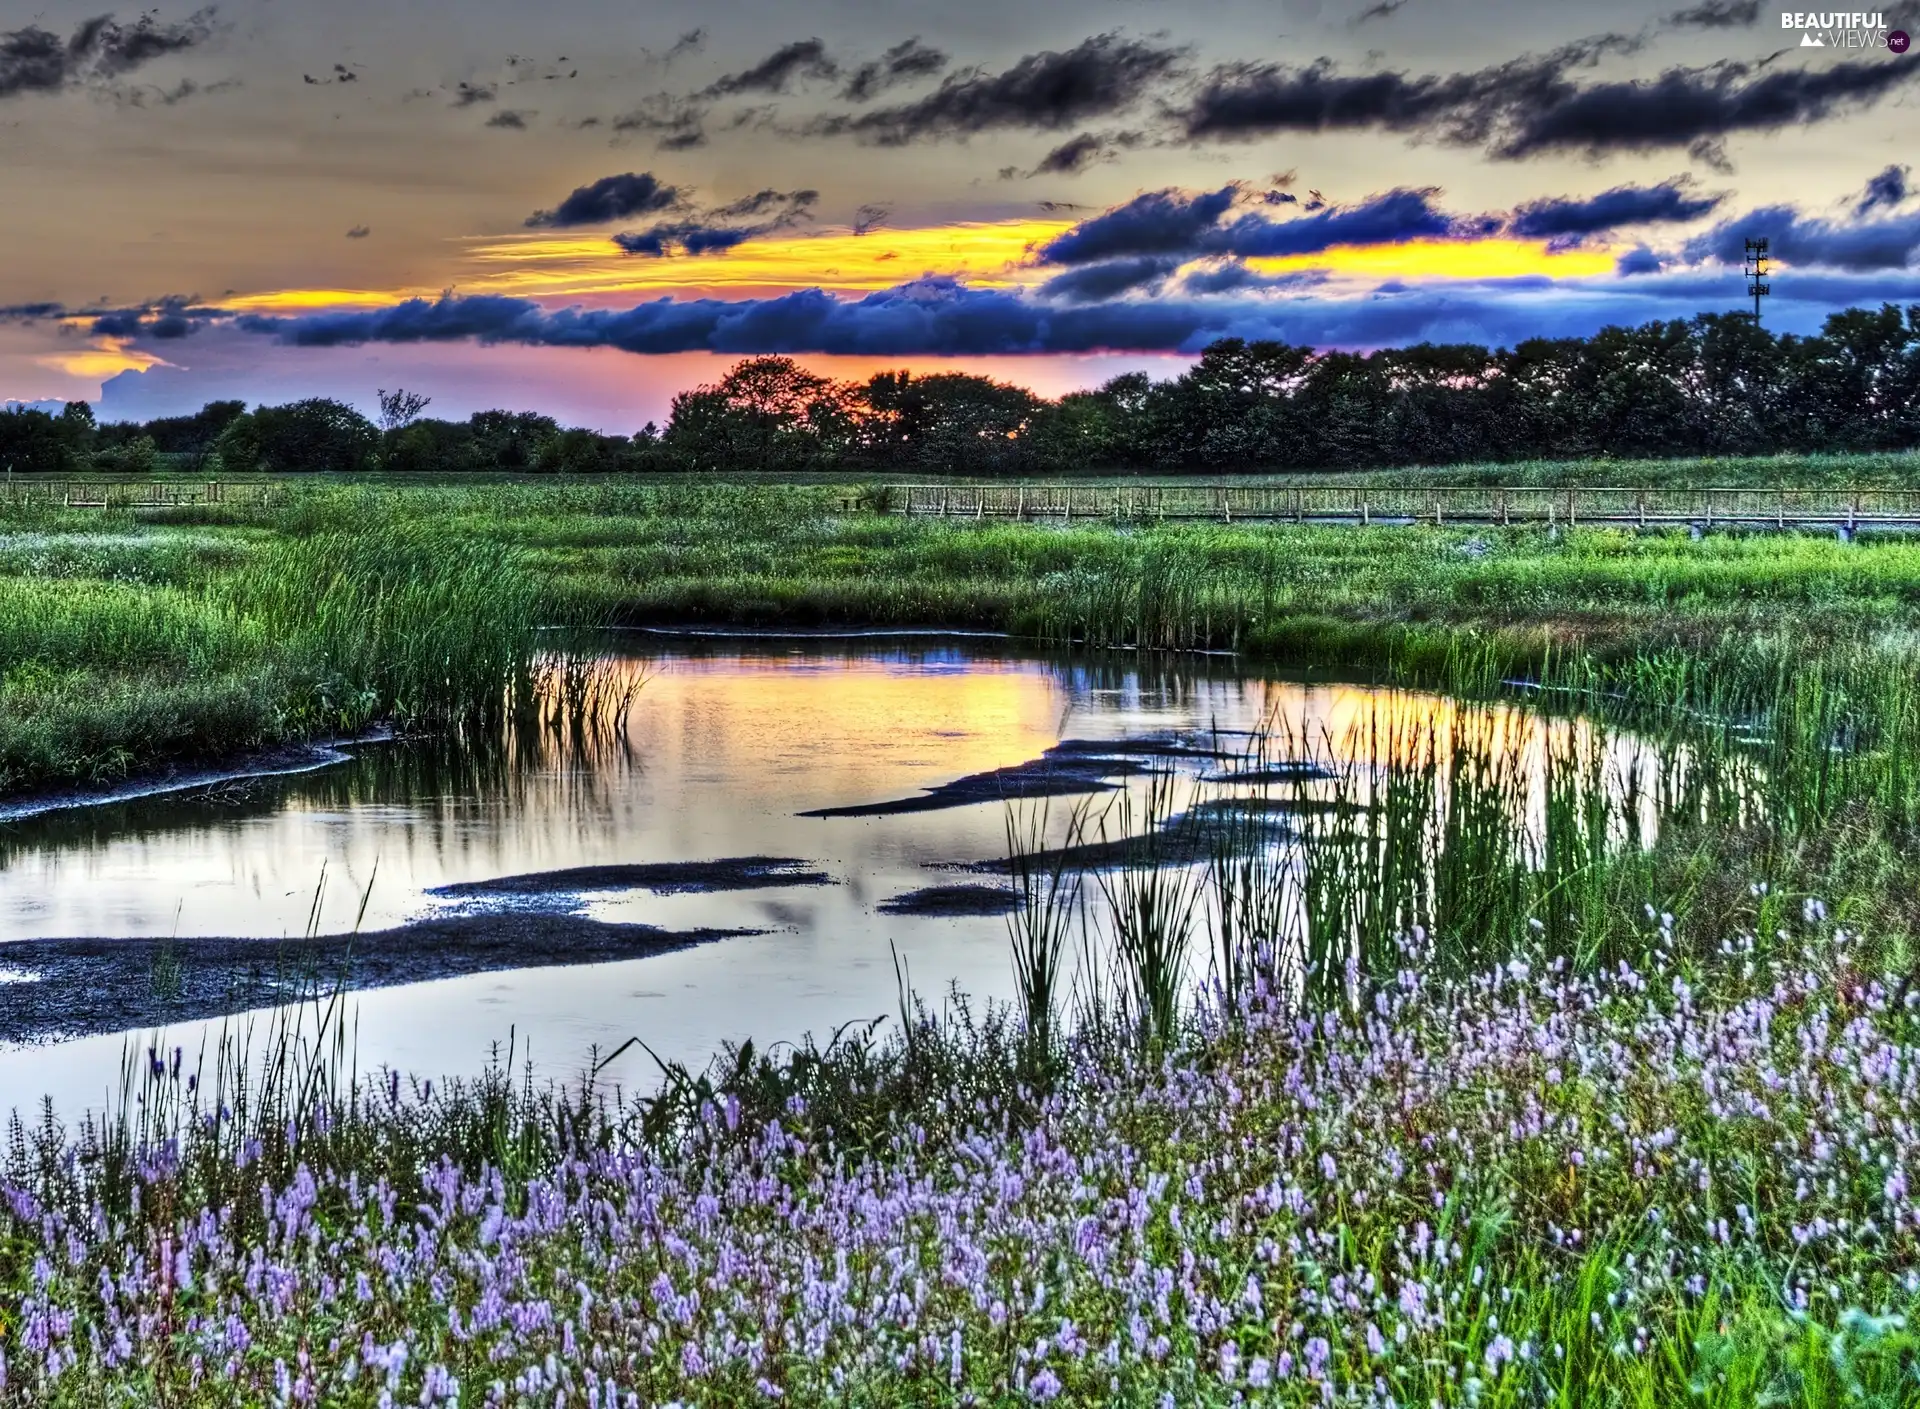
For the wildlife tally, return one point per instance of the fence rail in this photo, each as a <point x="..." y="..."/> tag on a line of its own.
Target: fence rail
<point x="1366" y="504"/>
<point x="110" y="494"/>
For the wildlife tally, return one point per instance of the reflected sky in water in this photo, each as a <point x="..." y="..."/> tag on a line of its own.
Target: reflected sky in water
<point x="721" y="750"/>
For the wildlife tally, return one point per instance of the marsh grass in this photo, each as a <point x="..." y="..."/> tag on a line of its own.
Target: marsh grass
<point x="1042" y="924"/>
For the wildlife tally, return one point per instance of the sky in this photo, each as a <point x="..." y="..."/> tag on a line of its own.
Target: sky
<point x="585" y="206"/>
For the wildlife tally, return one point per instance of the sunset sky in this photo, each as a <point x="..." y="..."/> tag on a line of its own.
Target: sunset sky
<point x="582" y="206"/>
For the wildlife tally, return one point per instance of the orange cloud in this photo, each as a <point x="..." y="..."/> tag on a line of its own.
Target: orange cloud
<point x="1497" y="258"/>
<point x="986" y="254"/>
<point x="102" y="358"/>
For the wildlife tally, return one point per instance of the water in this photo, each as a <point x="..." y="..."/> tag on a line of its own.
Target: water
<point x="725" y="746"/>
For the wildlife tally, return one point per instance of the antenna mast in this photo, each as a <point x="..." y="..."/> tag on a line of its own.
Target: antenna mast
<point x="1756" y="272"/>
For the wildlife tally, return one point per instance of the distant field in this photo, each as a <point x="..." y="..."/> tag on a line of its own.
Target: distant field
<point x="1890" y="469"/>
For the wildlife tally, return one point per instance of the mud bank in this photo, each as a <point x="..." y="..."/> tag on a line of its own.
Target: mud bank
<point x="65" y="988"/>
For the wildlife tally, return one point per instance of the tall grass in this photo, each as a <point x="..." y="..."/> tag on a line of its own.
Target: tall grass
<point x="406" y="620"/>
<point x="325" y="633"/>
<point x="1048" y="887"/>
<point x="1477" y="828"/>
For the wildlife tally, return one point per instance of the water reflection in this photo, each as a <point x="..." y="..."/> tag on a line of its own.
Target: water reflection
<point x="723" y="749"/>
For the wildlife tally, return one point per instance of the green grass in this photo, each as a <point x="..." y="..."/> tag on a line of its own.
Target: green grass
<point x="126" y="644"/>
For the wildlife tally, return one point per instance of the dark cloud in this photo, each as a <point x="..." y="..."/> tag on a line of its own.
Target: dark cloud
<point x="359" y="232"/>
<point x="1389" y="219"/>
<point x="1381" y="11"/>
<point x="712" y="232"/>
<point x="941" y="317"/>
<point x="1045" y="92"/>
<point x="762" y="202"/>
<point x="36" y="60"/>
<point x="509" y="118"/>
<point x="677" y="123"/>
<point x="687" y="236"/>
<point x="1093" y="282"/>
<point x="905" y="62"/>
<point x="1159" y="222"/>
<point x="1890" y="242"/>
<point x="1639" y="260"/>
<point x="466" y="95"/>
<point x="1232" y="276"/>
<point x="1717" y="14"/>
<point x="934" y="316"/>
<point x="1694" y="105"/>
<point x="1076" y="154"/>
<point x="1884" y="190"/>
<point x="136" y="96"/>
<point x="1562" y="216"/>
<point x="690" y="42"/>
<point x="805" y="58"/>
<point x="1536" y="105"/>
<point x="1174" y="222"/>
<point x="608" y="199"/>
<point x="163" y="320"/>
<point x="869" y="218"/>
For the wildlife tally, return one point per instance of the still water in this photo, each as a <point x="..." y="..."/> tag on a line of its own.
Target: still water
<point x="724" y="749"/>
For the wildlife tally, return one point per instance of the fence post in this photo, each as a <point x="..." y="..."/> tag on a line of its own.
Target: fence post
<point x="1781" y="521"/>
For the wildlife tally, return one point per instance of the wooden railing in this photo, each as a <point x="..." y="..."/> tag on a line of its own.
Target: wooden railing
<point x="1366" y="504"/>
<point x="132" y="494"/>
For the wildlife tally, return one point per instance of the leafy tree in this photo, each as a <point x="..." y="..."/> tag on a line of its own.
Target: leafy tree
<point x="430" y="446"/>
<point x="315" y="434"/>
<point x="31" y="442"/>
<point x="510" y="440"/>
<point x="947" y="421"/>
<point x="765" y="413"/>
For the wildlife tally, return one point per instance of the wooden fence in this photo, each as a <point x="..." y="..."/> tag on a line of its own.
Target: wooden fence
<point x="1366" y="504"/>
<point x="132" y="494"/>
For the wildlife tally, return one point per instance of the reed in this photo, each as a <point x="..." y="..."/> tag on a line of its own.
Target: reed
<point x="1041" y="924"/>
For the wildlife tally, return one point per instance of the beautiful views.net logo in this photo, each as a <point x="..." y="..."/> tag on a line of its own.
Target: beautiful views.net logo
<point x="1844" y="29"/>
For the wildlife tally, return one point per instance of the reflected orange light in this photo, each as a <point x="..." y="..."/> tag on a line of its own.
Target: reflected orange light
<point x="1448" y="259"/>
<point x="987" y="254"/>
<point x="984" y="254"/>
<point x="105" y="357"/>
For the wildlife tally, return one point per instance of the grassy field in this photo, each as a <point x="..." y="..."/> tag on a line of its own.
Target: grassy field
<point x="1521" y="1089"/>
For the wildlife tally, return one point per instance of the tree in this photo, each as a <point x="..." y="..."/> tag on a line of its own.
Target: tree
<point x="430" y="446"/>
<point x="510" y="440"/>
<point x="315" y="434"/>
<point x="946" y="421"/>
<point x="400" y="409"/>
<point x="31" y="443"/>
<point x="766" y="413"/>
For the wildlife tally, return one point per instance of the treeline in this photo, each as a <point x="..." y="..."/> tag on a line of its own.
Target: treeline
<point x="1716" y="384"/>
